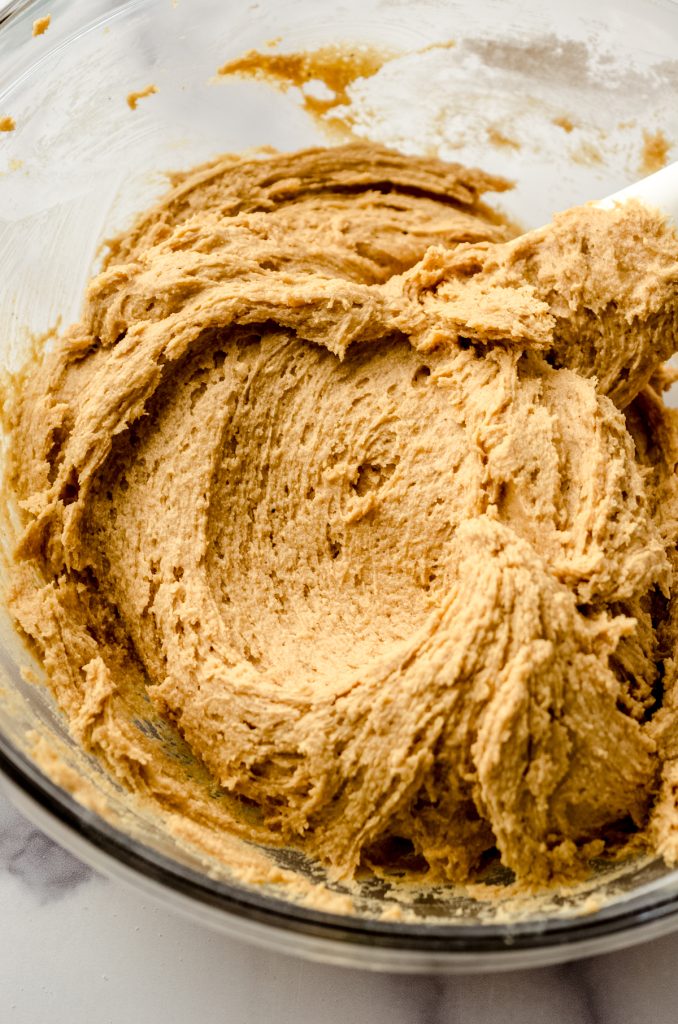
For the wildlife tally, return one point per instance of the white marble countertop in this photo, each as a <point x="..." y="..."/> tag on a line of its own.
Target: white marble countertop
<point x="76" y="948"/>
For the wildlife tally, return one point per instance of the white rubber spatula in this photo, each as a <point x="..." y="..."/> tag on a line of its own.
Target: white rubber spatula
<point x="658" y="191"/>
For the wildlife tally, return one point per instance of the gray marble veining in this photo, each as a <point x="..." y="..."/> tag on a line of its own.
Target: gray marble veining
<point x="576" y="977"/>
<point x="38" y="863"/>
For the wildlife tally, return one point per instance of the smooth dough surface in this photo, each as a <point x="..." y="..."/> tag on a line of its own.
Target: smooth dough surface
<point x="350" y="521"/>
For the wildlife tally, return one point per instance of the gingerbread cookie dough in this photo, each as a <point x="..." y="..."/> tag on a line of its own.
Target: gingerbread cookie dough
<point x="351" y="521"/>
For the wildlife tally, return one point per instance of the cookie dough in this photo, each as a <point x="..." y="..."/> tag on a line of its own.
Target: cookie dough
<point x="350" y="520"/>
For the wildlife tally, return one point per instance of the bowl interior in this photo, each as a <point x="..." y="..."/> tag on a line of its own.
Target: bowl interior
<point x="571" y="101"/>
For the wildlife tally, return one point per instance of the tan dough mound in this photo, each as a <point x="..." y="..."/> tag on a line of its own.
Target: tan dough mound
<point x="329" y="471"/>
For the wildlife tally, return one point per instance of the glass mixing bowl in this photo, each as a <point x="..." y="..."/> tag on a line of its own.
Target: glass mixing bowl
<point x="572" y="100"/>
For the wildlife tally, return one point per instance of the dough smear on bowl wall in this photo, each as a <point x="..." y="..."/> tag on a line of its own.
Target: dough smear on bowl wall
<point x="372" y="508"/>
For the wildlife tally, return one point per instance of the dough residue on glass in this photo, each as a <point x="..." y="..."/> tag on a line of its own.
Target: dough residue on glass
<point x="134" y="97"/>
<point x="350" y="520"/>
<point x="335" y="68"/>
<point x="40" y="25"/>
<point x="497" y="137"/>
<point x="655" y="154"/>
<point x="564" y="122"/>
